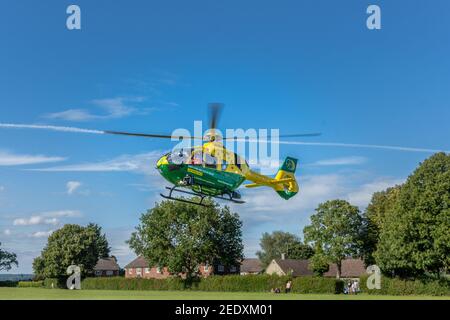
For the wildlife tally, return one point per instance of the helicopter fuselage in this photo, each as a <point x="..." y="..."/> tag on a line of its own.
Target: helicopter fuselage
<point x="212" y="170"/>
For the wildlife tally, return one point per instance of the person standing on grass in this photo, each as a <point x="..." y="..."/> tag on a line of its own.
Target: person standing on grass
<point x="355" y="288"/>
<point x="288" y="286"/>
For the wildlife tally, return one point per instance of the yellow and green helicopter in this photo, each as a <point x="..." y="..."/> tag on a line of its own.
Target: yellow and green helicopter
<point x="210" y="170"/>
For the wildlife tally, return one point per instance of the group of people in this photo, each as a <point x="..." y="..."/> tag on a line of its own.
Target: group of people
<point x="287" y="289"/>
<point x="352" y="287"/>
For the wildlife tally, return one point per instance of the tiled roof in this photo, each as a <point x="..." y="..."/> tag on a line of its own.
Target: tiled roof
<point x="297" y="267"/>
<point x="139" y="262"/>
<point x="251" y="265"/>
<point x="106" y="264"/>
<point x="351" y="268"/>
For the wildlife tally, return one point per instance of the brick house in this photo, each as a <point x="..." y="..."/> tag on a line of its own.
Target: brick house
<point x="106" y="267"/>
<point x="140" y="268"/>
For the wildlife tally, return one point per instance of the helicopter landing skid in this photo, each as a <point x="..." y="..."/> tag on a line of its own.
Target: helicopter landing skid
<point x="201" y="195"/>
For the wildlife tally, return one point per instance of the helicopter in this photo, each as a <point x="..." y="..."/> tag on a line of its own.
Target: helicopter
<point x="209" y="170"/>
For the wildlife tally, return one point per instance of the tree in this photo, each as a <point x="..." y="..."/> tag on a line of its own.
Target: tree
<point x="335" y="228"/>
<point x="278" y="243"/>
<point x="71" y="245"/>
<point x="373" y="219"/>
<point x="415" y="236"/>
<point x="182" y="236"/>
<point x="319" y="262"/>
<point x="7" y="260"/>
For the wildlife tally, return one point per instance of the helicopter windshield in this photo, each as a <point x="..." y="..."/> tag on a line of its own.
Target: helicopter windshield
<point x="180" y="156"/>
<point x="193" y="156"/>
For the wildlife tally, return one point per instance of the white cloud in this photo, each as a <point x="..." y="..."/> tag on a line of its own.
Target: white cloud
<point x="7" y="232"/>
<point x="72" y="186"/>
<point x="63" y="214"/>
<point x="139" y="163"/>
<point x="50" y="218"/>
<point x="2" y="188"/>
<point x="340" y="161"/>
<point x="264" y="206"/>
<point x="313" y="190"/>
<point x="113" y="108"/>
<point x="11" y="159"/>
<point x="41" y="234"/>
<point x="363" y="195"/>
<point x="35" y="220"/>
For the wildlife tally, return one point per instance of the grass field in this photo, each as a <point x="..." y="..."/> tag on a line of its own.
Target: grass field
<point x="60" y="294"/>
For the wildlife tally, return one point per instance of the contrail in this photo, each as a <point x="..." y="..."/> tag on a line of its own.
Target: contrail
<point x="350" y="145"/>
<point x="319" y="144"/>
<point x="52" y="128"/>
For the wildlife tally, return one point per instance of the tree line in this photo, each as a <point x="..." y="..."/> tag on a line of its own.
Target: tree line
<point x="405" y="229"/>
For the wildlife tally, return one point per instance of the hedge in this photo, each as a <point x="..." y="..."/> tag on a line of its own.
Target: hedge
<point x="8" y="283"/>
<point x="30" y="284"/>
<point x="235" y="283"/>
<point x="230" y="283"/>
<point x="121" y="283"/>
<point x="310" y="284"/>
<point x="396" y="287"/>
<point x="55" y="283"/>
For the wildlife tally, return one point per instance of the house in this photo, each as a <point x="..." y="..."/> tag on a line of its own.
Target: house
<point x="140" y="268"/>
<point x="293" y="267"/>
<point x="107" y="267"/>
<point x="251" y="266"/>
<point x="351" y="268"/>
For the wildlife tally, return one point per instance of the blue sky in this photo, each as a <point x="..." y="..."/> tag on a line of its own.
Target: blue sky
<point x="152" y="66"/>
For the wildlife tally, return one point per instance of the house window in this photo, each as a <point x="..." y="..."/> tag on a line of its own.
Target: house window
<point x="206" y="268"/>
<point x="139" y="271"/>
<point x="233" y="269"/>
<point x="158" y="269"/>
<point x="109" y="272"/>
<point x="130" y="271"/>
<point x="220" y="268"/>
<point x="98" y="273"/>
<point x="147" y="270"/>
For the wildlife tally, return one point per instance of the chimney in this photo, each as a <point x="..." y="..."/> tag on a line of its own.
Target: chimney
<point x="283" y="256"/>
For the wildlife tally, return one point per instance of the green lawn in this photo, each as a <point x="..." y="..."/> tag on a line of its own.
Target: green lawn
<point x="59" y="294"/>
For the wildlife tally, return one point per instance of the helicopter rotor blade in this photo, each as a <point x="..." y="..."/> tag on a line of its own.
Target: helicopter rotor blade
<point x="215" y="109"/>
<point x="295" y="135"/>
<point x="147" y="135"/>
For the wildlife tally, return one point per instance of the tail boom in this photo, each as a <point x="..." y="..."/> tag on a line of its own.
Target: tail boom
<point x="284" y="182"/>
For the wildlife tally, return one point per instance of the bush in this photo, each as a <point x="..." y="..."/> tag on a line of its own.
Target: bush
<point x="30" y="284"/>
<point x="396" y="286"/>
<point x="8" y="283"/>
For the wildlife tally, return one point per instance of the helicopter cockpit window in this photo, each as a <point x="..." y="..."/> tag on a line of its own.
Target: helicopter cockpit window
<point x="210" y="161"/>
<point x="180" y="156"/>
<point x="197" y="157"/>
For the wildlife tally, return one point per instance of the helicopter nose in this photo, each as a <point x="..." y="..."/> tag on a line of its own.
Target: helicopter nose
<point x="161" y="161"/>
